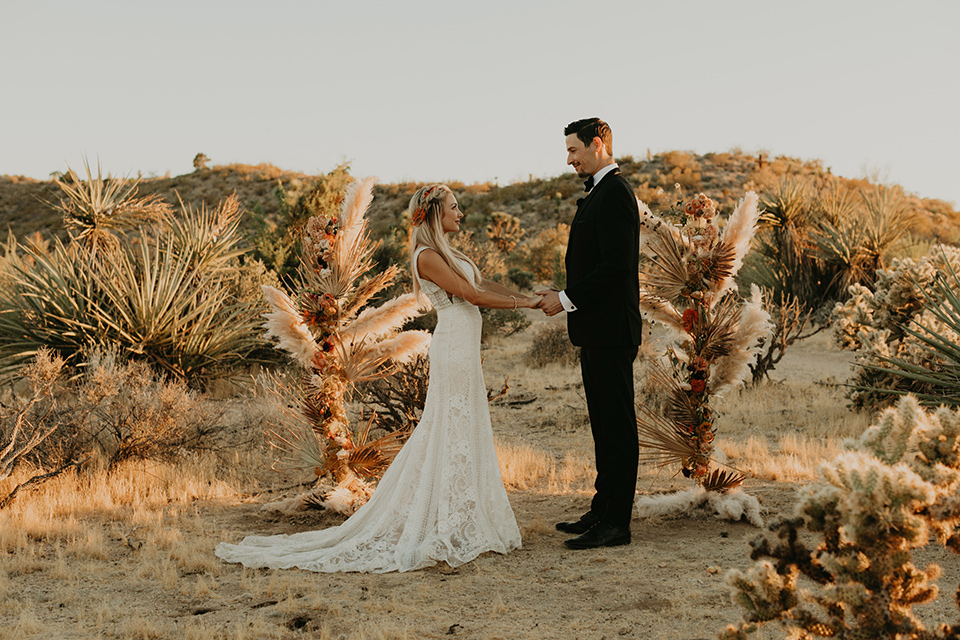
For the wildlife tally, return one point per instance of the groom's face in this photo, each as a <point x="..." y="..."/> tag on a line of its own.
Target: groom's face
<point x="585" y="159"/>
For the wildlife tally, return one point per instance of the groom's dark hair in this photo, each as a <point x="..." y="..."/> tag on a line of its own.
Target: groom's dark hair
<point x="591" y="128"/>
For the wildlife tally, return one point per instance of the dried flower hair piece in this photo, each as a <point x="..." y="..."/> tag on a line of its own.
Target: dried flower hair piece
<point x="420" y="213"/>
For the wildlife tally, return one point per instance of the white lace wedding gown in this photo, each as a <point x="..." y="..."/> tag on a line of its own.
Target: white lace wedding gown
<point x="442" y="499"/>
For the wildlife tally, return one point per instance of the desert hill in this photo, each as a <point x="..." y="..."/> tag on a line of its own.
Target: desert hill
<point x="537" y="203"/>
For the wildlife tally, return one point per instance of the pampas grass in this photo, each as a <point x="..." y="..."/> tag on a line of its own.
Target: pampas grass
<point x="285" y="324"/>
<point x="737" y="233"/>
<point x="382" y="321"/>
<point x="733" y="505"/>
<point x="732" y="369"/>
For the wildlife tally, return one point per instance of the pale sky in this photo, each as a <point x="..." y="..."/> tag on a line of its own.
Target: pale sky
<point x="438" y="91"/>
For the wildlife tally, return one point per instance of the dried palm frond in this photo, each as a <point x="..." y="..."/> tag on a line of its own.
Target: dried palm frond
<point x="754" y="324"/>
<point x="286" y="324"/>
<point x="679" y="409"/>
<point x="718" y="328"/>
<point x="651" y="224"/>
<point x="315" y="411"/>
<point x="661" y="442"/>
<point x="737" y="233"/>
<point x="666" y="272"/>
<point x="722" y="480"/>
<point x="371" y="459"/>
<point x="338" y="279"/>
<point x="301" y="448"/>
<point x="660" y="310"/>
<point x="377" y="322"/>
<point x="360" y="361"/>
<point x="720" y="269"/>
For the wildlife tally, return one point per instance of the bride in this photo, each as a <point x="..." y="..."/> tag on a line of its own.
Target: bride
<point x="442" y="499"/>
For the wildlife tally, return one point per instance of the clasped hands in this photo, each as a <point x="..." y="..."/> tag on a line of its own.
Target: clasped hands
<point x="549" y="301"/>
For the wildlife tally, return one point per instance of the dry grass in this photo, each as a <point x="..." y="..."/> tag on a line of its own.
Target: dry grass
<point x="130" y="554"/>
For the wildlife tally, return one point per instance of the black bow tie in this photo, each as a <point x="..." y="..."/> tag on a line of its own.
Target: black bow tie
<point x="588" y="184"/>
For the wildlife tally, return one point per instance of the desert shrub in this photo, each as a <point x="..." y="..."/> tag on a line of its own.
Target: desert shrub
<point x="111" y="412"/>
<point x="543" y="255"/>
<point x="844" y="566"/>
<point x="521" y="278"/>
<point x="551" y="344"/>
<point x="905" y="332"/>
<point x="783" y="261"/>
<point x="819" y="236"/>
<point x="791" y="323"/>
<point x="397" y="400"/>
<point x="502" y="322"/>
<point x="681" y="168"/>
<point x="488" y="258"/>
<point x="96" y="211"/>
<point x="176" y="296"/>
<point x="124" y="410"/>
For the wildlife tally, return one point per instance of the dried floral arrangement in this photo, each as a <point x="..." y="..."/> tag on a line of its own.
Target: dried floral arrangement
<point x="687" y="284"/>
<point x="340" y="341"/>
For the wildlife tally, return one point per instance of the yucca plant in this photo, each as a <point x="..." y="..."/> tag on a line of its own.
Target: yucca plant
<point x="167" y="294"/>
<point x="96" y="209"/>
<point x="340" y="340"/>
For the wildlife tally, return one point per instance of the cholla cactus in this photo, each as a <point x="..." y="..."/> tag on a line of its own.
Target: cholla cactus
<point x="505" y="232"/>
<point x="898" y="483"/>
<point x="878" y="324"/>
<point x="339" y="342"/>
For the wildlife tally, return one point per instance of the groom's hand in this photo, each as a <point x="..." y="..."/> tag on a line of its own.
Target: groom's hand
<point x="550" y="302"/>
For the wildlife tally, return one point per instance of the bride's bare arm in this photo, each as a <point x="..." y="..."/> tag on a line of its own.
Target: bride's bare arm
<point x="432" y="267"/>
<point x="491" y="285"/>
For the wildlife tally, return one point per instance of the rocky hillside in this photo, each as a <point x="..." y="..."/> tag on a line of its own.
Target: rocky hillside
<point x="538" y="203"/>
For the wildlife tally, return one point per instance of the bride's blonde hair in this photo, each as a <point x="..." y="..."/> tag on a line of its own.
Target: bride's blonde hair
<point x="426" y="210"/>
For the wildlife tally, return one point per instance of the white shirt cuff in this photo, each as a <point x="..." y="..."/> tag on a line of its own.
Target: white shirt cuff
<point x="565" y="301"/>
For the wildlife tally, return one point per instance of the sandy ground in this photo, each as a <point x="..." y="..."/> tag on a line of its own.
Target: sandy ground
<point x="161" y="580"/>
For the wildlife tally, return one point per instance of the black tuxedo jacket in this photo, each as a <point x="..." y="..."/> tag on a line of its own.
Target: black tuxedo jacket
<point x="602" y="262"/>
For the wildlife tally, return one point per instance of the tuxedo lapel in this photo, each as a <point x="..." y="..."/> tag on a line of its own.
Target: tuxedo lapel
<point x="582" y="203"/>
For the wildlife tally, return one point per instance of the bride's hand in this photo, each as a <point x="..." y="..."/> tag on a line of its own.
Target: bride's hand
<point x="532" y="302"/>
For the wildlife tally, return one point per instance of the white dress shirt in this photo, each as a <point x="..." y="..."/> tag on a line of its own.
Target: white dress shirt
<point x="568" y="306"/>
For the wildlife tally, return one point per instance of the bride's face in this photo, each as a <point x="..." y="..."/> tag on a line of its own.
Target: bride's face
<point x="451" y="216"/>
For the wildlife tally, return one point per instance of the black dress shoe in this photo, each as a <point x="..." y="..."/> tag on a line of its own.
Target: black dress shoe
<point x="601" y="535"/>
<point x="584" y="524"/>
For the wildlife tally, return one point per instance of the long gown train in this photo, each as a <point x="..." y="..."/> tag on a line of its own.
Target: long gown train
<point x="441" y="500"/>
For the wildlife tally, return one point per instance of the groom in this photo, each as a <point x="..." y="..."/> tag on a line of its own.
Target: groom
<point x="603" y="319"/>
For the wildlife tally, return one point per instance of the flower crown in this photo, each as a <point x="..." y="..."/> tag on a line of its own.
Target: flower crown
<point x="420" y="213"/>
